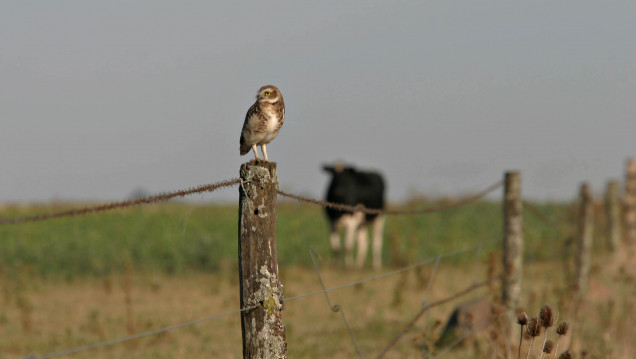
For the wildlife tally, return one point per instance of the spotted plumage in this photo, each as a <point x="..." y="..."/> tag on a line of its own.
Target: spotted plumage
<point x="263" y="121"/>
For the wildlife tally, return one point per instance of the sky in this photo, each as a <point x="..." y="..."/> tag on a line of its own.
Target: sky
<point x="99" y="99"/>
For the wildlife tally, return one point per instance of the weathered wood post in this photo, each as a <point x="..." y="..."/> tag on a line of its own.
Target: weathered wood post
<point x="584" y="240"/>
<point x="613" y="214"/>
<point x="629" y="201"/>
<point x="512" y="245"/>
<point x="260" y="288"/>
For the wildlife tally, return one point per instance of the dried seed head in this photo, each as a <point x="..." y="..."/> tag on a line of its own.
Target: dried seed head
<point x="522" y="318"/>
<point x="547" y="316"/>
<point x="547" y="347"/>
<point x="566" y="355"/>
<point x="533" y="328"/>
<point x="562" y="328"/>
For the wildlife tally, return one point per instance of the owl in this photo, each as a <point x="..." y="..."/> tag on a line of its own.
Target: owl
<point x="263" y="120"/>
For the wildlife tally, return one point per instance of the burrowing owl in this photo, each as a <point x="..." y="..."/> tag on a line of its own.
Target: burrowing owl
<point x="263" y="120"/>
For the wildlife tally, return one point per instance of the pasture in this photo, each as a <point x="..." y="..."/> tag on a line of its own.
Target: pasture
<point x="75" y="281"/>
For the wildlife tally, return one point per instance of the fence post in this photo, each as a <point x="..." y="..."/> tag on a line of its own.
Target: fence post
<point x="512" y="245"/>
<point x="630" y="201"/>
<point x="260" y="288"/>
<point x="585" y="234"/>
<point x="613" y="214"/>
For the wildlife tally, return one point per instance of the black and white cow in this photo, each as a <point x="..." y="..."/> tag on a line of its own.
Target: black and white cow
<point x="352" y="187"/>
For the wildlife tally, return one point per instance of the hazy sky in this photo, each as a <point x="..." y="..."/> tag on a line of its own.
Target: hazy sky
<point x="98" y="98"/>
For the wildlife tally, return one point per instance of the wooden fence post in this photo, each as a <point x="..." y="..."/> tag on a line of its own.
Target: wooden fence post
<point x="512" y="245"/>
<point x="584" y="240"/>
<point x="629" y="201"/>
<point x="260" y="288"/>
<point x="613" y="214"/>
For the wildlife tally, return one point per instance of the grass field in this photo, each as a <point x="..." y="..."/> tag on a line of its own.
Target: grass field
<point x="177" y="238"/>
<point x="76" y="281"/>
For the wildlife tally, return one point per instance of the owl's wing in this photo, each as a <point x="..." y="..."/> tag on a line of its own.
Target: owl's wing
<point x="250" y="117"/>
<point x="281" y="118"/>
<point x="249" y="127"/>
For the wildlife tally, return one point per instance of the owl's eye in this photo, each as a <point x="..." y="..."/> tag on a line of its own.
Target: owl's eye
<point x="267" y="93"/>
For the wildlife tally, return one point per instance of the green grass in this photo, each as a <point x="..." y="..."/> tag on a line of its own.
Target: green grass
<point x="64" y="282"/>
<point x="178" y="237"/>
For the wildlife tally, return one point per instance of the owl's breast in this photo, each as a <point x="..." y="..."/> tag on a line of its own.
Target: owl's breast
<point x="273" y="120"/>
<point x="271" y="124"/>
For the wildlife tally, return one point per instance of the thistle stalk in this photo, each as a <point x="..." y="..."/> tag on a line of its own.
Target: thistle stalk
<point x="522" y="320"/>
<point x="546" y="320"/>
<point x="561" y="329"/>
<point x="533" y="329"/>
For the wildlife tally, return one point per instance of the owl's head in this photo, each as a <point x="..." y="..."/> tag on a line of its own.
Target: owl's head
<point x="269" y="94"/>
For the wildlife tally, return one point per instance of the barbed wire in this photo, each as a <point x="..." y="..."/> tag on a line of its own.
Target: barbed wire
<point x="335" y="308"/>
<point x="123" y="204"/>
<point x="361" y="208"/>
<point x="228" y="183"/>
<point x="322" y="291"/>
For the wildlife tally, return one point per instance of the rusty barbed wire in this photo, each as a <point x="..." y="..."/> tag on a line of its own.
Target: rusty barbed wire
<point x="122" y="204"/>
<point x="361" y="208"/>
<point x="231" y="182"/>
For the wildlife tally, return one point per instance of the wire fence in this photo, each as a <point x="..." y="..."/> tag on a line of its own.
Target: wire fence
<point x="361" y="208"/>
<point x="551" y="221"/>
<point x="162" y="197"/>
<point x="324" y="290"/>
<point x="232" y="182"/>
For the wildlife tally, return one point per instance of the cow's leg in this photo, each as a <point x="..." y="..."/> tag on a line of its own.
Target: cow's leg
<point x="334" y="237"/>
<point x="353" y="223"/>
<point x="350" y="231"/>
<point x="378" y="235"/>
<point x="363" y="246"/>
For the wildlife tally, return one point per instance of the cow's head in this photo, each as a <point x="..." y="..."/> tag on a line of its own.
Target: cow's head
<point x="338" y="167"/>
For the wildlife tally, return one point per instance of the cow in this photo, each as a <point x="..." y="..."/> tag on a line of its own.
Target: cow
<point x="352" y="187"/>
